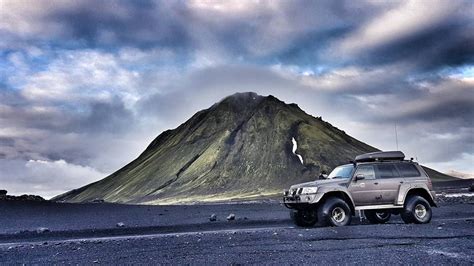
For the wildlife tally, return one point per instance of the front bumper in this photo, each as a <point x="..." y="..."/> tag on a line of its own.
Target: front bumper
<point x="291" y="201"/>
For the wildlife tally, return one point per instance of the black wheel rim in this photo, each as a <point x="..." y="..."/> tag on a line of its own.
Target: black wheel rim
<point x="338" y="214"/>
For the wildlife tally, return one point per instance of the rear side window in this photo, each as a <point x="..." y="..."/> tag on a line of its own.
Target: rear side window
<point x="387" y="171"/>
<point x="366" y="170"/>
<point x="408" y="170"/>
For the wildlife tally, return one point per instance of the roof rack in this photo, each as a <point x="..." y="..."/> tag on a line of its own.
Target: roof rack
<point x="380" y="156"/>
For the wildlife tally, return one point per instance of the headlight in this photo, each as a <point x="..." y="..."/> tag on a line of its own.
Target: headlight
<point x="309" y="190"/>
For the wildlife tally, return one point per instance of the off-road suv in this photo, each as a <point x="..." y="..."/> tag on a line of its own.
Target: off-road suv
<point x="378" y="184"/>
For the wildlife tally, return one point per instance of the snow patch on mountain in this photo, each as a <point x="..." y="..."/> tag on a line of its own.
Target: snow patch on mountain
<point x="295" y="147"/>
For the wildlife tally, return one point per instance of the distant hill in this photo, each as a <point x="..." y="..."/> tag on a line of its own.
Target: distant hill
<point x="437" y="176"/>
<point x="241" y="147"/>
<point x="460" y="174"/>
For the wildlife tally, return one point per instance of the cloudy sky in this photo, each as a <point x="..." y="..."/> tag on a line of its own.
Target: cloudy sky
<point x="86" y="85"/>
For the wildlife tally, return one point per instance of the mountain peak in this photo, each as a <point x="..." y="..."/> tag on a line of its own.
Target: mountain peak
<point x="245" y="101"/>
<point x="244" y="96"/>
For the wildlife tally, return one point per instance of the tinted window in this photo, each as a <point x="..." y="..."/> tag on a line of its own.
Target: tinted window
<point x="366" y="170"/>
<point x="408" y="170"/>
<point x="387" y="171"/>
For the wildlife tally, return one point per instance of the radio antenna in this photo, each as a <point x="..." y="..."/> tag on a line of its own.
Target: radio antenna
<point x="396" y="135"/>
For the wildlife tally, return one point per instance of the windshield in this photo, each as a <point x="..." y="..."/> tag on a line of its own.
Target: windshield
<point x="343" y="171"/>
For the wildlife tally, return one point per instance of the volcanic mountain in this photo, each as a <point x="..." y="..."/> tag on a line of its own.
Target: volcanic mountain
<point x="244" y="146"/>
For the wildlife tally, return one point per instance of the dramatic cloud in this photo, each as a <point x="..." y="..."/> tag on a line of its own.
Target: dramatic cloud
<point x="86" y="85"/>
<point x="48" y="178"/>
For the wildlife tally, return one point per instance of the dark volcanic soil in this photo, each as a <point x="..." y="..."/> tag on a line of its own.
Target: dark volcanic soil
<point x="261" y="233"/>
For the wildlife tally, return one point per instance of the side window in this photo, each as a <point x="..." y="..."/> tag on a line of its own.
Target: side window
<point x="366" y="170"/>
<point x="387" y="171"/>
<point x="408" y="170"/>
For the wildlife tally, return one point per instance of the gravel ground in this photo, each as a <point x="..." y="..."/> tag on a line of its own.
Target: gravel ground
<point x="261" y="233"/>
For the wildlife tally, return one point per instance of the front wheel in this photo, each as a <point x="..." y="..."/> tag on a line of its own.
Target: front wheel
<point x="377" y="216"/>
<point x="305" y="217"/>
<point x="334" y="212"/>
<point x="417" y="210"/>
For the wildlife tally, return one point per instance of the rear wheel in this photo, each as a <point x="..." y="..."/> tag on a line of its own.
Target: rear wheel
<point x="377" y="216"/>
<point x="334" y="212"/>
<point x="417" y="210"/>
<point x="305" y="217"/>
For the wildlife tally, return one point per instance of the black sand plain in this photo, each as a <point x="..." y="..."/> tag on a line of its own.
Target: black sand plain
<point x="261" y="233"/>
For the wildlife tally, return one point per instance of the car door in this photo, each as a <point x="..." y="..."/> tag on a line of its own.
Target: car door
<point x="364" y="192"/>
<point x="389" y="181"/>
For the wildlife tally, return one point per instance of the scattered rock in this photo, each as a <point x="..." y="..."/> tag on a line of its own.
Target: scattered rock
<point x="231" y="217"/>
<point x="439" y="227"/>
<point x="460" y="199"/>
<point x="95" y="261"/>
<point x="42" y="230"/>
<point x="471" y="188"/>
<point x="213" y="217"/>
<point x="120" y="224"/>
<point x="10" y="248"/>
<point x="97" y="200"/>
<point x="300" y="235"/>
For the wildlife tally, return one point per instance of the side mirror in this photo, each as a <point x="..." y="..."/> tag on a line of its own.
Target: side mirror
<point x="359" y="177"/>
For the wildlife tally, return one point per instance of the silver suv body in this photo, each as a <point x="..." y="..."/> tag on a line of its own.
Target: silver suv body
<point x="378" y="184"/>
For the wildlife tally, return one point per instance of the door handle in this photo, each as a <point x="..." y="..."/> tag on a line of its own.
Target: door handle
<point x="376" y="183"/>
<point x="401" y="182"/>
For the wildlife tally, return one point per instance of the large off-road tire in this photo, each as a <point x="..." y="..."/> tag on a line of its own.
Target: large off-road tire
<point x="334" y="212"/>
<point x="305" y="218"/>
<point x="417" y="210"/>
<point x="377" y="216"/>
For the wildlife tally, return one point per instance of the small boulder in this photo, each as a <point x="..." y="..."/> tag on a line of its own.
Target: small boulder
<point x="231" y="217"/>
<point x="213" y="217"/>
<point x="42" y="230"/>
<point x="120" y="224"/>
<point x="97" y="200"/>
